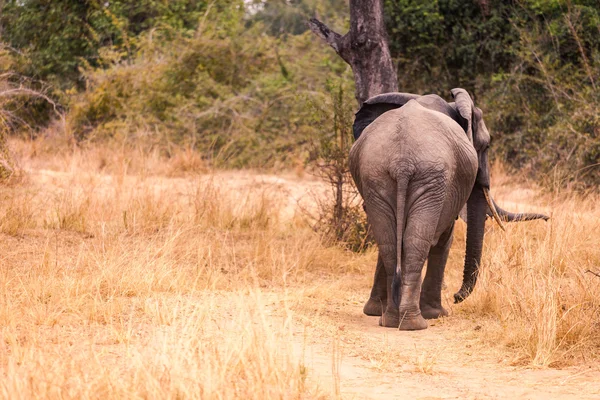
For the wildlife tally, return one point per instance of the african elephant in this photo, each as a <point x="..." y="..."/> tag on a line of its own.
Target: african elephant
<point x="417" y="163"/>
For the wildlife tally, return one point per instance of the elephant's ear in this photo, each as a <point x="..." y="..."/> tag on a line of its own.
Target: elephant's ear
<point x="464" y="106"/>
<point x="377" y="105"/>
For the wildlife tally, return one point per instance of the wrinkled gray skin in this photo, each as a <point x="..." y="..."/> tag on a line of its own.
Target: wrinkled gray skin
<point x="416" y="167"/>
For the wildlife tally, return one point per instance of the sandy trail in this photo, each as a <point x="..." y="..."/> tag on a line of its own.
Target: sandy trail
<point x="452" y="371"/>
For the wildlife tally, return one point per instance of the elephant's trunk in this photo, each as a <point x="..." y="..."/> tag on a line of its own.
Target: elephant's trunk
<point x="476" y="214"/>
<point x="517" y="217"/>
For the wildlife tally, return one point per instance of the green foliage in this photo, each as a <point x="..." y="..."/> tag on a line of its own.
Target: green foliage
<point x="545" y="114"/>
<point x="282" y="17"/>
<point x="61" y="37"/>
<point x="54" y="34"/>
<point x="142" y="15"/>
<point x="442" y="44"/>
<point x="241" y="97"/>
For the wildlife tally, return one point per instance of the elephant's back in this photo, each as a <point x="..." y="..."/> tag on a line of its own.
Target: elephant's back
<point x="410" y="137"/>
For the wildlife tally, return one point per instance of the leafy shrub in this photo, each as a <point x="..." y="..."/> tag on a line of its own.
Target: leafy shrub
<point x="544" y="115"/>
<point x="239" y="96"/>
<point x="60" y="38"/>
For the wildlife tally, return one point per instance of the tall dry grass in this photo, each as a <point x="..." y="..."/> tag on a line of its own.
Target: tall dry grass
<point x="539" y="283"/>
<point x="124" y="274"/>
<point x="128" y="287"/>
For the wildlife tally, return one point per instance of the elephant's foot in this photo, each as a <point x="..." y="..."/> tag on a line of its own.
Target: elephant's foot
<point x="415" y="323"/>
<point x="389" y="320"/>
<point x="433" y="312"/>
<point x="375" y="307"/>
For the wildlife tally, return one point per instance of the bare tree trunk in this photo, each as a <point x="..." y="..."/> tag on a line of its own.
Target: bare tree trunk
<point x="364" y="47"/>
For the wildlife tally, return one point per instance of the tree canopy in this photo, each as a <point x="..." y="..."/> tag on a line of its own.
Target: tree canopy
<point x="246" y="83"/>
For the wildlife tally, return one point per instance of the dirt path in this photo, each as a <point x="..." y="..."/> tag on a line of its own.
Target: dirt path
<point x="443" y="368"/>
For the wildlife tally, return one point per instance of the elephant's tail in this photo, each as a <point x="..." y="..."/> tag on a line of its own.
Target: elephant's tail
<point x="402" y="185"/>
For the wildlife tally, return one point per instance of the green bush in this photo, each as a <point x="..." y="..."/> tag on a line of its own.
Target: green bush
<point x="61" y="37"/>
<point x="241" y="97"/>
<point x="544" y="114"/>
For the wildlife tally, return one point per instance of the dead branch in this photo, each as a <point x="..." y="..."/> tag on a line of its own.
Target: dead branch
<point x="593" y="273"/>
<point x="332" y="38"/>
<point x="29" y="92"/>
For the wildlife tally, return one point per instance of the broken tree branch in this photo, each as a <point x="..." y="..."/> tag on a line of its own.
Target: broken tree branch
<point x="332" y="38"/>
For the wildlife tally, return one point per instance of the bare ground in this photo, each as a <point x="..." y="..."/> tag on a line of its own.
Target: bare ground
<point x="438" y="363"/>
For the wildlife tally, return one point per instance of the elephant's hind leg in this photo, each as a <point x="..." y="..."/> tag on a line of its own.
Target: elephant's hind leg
<point x="376" y="304"/>
<point x="382" y="217"/>
<point x="418" y="235"/>
<point x="431" y="292"/>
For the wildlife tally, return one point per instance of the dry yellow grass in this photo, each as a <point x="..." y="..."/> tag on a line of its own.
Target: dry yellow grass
<point x="538" y="282"/>
<point x="126" y="276"/>
<point x="136" y="287"/>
